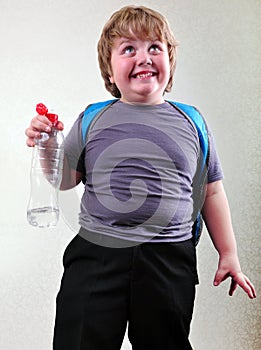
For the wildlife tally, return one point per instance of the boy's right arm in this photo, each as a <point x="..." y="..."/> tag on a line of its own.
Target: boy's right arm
<point x="41" y="123"/>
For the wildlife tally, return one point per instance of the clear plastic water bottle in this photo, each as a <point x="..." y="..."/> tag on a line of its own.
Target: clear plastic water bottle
<point x="46" y="176"/>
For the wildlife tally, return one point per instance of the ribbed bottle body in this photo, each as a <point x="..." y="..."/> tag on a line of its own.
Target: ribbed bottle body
<point x="46" y="177"/>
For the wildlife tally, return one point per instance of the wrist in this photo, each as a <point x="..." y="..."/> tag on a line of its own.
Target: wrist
<point x="224" y="253"/>
<point x="230" y="258"/>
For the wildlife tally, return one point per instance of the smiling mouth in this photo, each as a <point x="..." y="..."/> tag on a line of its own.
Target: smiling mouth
<point x="143" y="75"/>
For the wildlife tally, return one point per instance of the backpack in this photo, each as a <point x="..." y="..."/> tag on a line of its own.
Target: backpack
<point x="94" y="111"/>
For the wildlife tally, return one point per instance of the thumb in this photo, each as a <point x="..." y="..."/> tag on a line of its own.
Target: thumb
<point x="220" y="276"/>
<point x="60" y="125"/>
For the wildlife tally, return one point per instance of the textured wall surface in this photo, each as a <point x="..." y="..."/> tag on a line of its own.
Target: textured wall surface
<point x="48" y="53"/>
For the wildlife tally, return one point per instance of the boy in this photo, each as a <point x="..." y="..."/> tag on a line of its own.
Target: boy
<point x="138" y="164"/>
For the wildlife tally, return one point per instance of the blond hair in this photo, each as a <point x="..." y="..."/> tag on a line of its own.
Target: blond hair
<point x="146" y="24"/>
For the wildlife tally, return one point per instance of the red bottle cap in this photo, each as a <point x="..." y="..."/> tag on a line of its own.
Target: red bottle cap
<point x="52" y="117"/>
<point x="43" y="110"/>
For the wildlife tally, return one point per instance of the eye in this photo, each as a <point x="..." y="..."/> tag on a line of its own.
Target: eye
<point x="155" y="48"/>
<point x="128" y="50"/>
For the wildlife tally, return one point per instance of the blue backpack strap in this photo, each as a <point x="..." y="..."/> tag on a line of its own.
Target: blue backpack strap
<point x="92" y="111"/>
<point x="200" y="125"/>
<point x="200" y="178"/>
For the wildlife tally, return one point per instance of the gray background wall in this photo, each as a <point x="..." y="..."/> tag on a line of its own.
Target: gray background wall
<point x="48" y="53"/>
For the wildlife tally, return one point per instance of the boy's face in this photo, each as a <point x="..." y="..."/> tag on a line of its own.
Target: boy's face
<point x="140" y="69"/>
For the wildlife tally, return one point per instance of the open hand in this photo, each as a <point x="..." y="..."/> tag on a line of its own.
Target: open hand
<point x="229" y="267"/>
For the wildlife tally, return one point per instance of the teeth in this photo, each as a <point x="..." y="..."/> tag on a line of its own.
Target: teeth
<point x="140" y="76"/>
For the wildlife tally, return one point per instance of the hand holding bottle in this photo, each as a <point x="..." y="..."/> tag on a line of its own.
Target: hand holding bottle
<point x="41" y="123"/>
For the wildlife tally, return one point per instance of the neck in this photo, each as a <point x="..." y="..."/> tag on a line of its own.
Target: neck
<point x="143" y="102"/>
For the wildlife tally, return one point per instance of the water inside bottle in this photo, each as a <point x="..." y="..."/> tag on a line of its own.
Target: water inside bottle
<point x="43" y="217"/>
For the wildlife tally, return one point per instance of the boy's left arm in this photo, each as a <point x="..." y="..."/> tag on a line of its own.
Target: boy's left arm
<point x="217" y="218"/>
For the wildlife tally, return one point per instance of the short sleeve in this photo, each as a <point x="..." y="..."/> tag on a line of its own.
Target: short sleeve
<point x="215" y="172"/>
<point x="74" y="148"/>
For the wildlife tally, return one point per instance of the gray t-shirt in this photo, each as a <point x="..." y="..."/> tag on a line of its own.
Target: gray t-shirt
<point x="139" y="163"/>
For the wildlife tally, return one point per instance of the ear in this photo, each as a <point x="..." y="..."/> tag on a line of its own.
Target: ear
<point x="111" y="79"/>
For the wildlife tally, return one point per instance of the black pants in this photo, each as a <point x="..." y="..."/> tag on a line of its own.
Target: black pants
<point x="151" y="286"/>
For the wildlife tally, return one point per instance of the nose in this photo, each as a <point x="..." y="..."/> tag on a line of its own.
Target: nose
<point x="144" y="58"/>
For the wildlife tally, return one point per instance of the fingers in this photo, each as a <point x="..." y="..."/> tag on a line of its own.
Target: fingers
<point x="239" y="279"/>
<point x="39" y="123"/>
<point x="244" y="282"/>
<point x="30" y="142"/>
<point x="31" y="136"/>
<point x="60" y="125"/>
<point x="221" y="275"/>
<point x="233" y="287"/>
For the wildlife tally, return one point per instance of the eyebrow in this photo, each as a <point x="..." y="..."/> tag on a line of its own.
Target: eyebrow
<point x="125" y="40"/>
